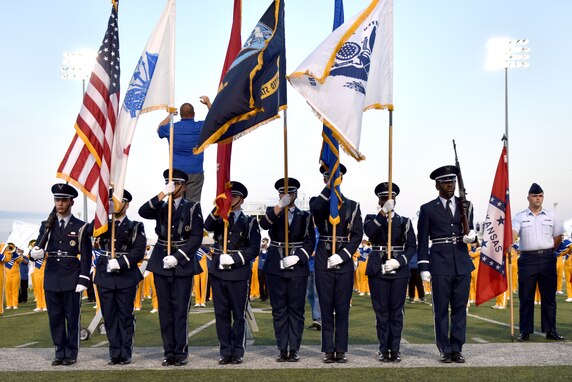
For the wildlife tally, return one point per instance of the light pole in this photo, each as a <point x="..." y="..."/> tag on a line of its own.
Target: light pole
<point x="506" y="53"/>
<point x="78" y="66"/>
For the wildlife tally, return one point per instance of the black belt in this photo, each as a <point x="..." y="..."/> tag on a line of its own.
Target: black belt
<point x="384" y="248"/>
<point x="339" y="239"/>
<point x="61" y="254"/>
<point x="447" y="240"/>
<point x="538" y="252"/>
<point x="218" y="251"/>
<point x="108" y="253"/>
<point x="174" y="243"/>
<point x="279" y="244"/>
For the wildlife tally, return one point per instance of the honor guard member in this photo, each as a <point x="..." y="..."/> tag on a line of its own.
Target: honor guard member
<point x="173" y="269"/>
<point x="117" y="276"/>
<point x="389" y="277"/>
<point x="449" y="266"/>
<point x="230" y="274"/>
<point x="287" y="273"/>
<point x="68" y="262"/>
<point x="540" y="232"/>
<point x="335" y="272"/>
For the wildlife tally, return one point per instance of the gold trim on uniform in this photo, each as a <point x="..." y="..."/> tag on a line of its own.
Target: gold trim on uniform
<point x="73" y="243"/>
<point x="187" y="228"/>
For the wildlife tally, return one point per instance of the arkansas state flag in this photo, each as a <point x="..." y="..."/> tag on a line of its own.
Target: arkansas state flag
<point x="497" y="239"/>
<point x="253" y="90"/>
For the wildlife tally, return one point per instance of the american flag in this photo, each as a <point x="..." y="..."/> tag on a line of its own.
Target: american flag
<point x="87" y="161"/>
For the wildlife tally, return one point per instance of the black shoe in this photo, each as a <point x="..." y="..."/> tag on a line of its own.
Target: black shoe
<point x="282" y="357"/>
<point x="385" y="356"/>
<point x="169" y="361"/>
<point x="181" y="361"/>
<point x="293" y="357"/>
<point x="554" y="336"/>
<point x="412" y="301"/>
<point x="113" y="361"/>
<point x="341" y="357"/>
<point x="446" y="358"/>
<point x="523" y="337"/>
<point x="236" y="360"/>
<point x="69" y="361"/>
<point x="225" y="360"/>
<point x="457" y="357"/>
<point x="125" y="361"/>
<point x="329" y="358"/>
<point x="57" y="362"/>
<point x="396" y="356"/>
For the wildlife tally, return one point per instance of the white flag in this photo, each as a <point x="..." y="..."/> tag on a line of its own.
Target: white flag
<point x="22" y="233"/>
<point x="151" y="88"/>
<point x="351" y="72"/>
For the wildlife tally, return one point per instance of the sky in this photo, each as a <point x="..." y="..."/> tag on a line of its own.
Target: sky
<point x="442" y="92"/>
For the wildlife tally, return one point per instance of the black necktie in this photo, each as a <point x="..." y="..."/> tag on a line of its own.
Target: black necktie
<point x="62" y="225"/>
<point x="449" y="209"/>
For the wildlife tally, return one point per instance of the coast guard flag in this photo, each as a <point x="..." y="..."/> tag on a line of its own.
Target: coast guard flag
<point x="224" y="150"/>
<point x="87" y="162"/>
<point x="491" y="278"/>
<point x="330" y="153"/>
<point x="351" y="72"/>
<point x="254" y="88"/>
<point x="152" y="87"/>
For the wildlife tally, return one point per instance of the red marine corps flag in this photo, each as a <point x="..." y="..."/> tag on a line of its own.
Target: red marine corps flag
<point x="87" y="162"/>
<point x="497" y="239"/>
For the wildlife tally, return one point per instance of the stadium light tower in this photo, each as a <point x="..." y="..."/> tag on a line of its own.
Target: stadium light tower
<point x="504" y="53"/>
<point x="78" y="66"/>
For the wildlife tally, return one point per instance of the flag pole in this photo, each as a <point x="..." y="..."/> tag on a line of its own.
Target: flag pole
<point x="113" y="233"/>
<point x="508" y="253"/>
<point x="286" y="190"/>
<point x="170" y="198"/>
<point x="390" y="181"/>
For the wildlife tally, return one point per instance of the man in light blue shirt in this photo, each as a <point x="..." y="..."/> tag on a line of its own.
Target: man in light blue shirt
<point x="540" y="232"/>
<point x="186" y="134"/>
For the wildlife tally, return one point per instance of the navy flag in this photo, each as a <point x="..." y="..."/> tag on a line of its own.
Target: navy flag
<point x="253" y="90"/>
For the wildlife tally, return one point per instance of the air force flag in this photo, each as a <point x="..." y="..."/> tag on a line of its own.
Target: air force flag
<point x="253" y="90"/>
<point x="497" y="238"/>
<point x="152" y="87"/>
<point x="351" y="72"/>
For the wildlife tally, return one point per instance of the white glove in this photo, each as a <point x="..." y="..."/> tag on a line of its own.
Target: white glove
<point x="113" y="265"/>
<point x="334" y="260"/>
<point x="289" y="261"/>
<point x="226" y="259"/>
<point x="37" y="253"/>
<point x="470" y="237"/>
<point x="80" y="288"/>
<point x="146" y="273"/>
<point x="169" y="188"/>
<point x="390" y="265"/>
<point x="169" y="262"/>
<point x="425" y="276"/>
<point x="388" y="206"/>
<point x="285" y="201"/>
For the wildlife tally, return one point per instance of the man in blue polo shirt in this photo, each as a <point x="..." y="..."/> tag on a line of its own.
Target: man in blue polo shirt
<point x="186" y="135"/>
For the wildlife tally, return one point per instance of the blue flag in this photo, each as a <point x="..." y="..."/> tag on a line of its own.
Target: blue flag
<point x="253" y="90"/>
<point x="330" y="154"/>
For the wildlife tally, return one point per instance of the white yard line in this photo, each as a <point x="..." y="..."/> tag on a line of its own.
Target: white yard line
<point x="26" y="345"/>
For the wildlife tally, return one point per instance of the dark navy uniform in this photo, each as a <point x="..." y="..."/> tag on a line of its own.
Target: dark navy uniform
<point x="68" y="262"/>
<point x="335" y="285"/>
<point x="287" y="286"/>
<point x="174" y="285"/>
<point x="449" y="263"/>
<point x="388" y="289"/>
<point x="230" y="286"/>
<point x="117" y="288"/>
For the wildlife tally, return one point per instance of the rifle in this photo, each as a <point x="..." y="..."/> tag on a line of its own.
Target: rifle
<point x="47" y="228"/>
<point x="462" y="194"/>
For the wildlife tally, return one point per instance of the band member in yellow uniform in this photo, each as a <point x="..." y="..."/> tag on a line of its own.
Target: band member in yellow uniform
<point x="13" y="276"/>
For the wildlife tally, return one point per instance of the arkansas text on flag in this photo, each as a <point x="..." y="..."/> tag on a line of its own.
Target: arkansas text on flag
<point x="350" y="72"/>
<point x="152" y="87"/>
<point x="253" y="90"/>
<point x="87" y="162"/>
<point x="497" y="239"/>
